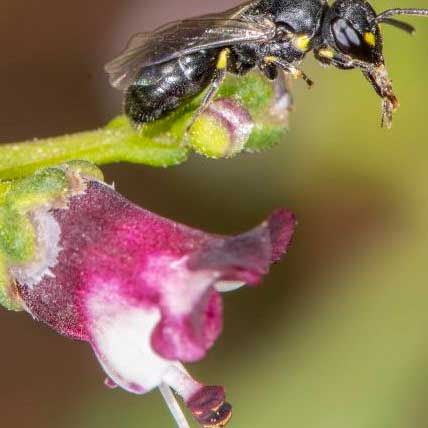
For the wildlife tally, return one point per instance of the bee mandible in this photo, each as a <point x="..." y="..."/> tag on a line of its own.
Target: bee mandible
<point x="161" y="70"/>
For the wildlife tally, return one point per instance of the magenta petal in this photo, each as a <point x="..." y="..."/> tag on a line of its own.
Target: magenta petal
<point x="188" y="338"/>
<point x="141" y="288"/>
<point x="247" y="257"/>
<point x="281" y="225"/>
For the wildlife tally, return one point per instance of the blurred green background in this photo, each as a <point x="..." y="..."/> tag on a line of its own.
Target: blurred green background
<point x="336" y="334"/>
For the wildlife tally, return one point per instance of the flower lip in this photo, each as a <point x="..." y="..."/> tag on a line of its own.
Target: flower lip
<point x="281" y="225"/>
<point x="244" y="258"/>
<point x="190" y="336"/>
<point x="247" y="257"/>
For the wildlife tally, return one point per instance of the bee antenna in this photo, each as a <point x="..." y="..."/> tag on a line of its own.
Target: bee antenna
<point x="393" y="12"/>
<point x="399" y="24"/>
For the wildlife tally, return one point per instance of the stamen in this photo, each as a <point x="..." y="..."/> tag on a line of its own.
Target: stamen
<point x="179" y="379"/>
<point x="207" y="403"/>
<point x="173" y="406"/>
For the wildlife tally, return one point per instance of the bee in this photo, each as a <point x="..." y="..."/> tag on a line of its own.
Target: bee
<point x="161" y="70"/>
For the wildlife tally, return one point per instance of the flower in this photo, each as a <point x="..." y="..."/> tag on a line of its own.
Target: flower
<point x="144" y="291"/>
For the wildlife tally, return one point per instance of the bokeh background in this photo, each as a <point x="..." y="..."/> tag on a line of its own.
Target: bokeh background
<point x="336" y="336"/>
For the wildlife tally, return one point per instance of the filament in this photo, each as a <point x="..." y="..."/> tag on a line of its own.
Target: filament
<point x="173" y="406"/>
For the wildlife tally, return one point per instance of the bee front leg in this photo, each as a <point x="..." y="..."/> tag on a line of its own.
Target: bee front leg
<point x="219" y="76"/>
<point x="288" y="68"/>
<point x="328" y="56"/>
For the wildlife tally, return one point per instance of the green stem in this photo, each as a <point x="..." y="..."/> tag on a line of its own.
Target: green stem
<point x="116" y="142"/>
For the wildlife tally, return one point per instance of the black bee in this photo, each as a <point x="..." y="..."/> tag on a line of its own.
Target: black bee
<point x="161" y="70"/>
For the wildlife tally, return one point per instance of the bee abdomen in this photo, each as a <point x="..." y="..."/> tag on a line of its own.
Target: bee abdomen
<point x="161" y="88"/>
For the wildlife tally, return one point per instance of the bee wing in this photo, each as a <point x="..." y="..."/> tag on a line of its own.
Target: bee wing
<point x="184" y="37"/>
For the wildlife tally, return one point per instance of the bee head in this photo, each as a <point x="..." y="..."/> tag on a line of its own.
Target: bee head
<point x="351" y="38"/>
<point x="350" y="28"/>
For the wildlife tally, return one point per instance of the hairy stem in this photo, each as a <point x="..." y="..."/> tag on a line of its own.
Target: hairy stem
<point x="118" y="141"/>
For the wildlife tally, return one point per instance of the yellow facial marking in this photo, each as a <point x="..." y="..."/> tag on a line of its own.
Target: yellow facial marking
<point x="370" y="39"/>
<point x="222" y="59"/>
<point x="326" y="53"/>
<point x="302" y="42"/>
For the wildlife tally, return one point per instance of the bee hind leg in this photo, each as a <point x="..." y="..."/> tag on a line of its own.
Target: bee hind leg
<point x="219" y="76"/>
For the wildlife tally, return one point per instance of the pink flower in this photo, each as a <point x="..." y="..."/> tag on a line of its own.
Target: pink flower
<point x="144" y="291"/>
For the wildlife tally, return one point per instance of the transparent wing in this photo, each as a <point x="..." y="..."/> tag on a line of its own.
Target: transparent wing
<point x="185" y="37"/>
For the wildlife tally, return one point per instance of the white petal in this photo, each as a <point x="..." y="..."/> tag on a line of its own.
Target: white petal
<point x="226" y="286"/>
<point x="121" y="340"/>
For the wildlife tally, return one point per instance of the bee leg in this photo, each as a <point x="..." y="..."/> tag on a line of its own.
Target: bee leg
<point x="288" y="68"/>
<point x="327" y="56"/>
<point x="219" y="76"/>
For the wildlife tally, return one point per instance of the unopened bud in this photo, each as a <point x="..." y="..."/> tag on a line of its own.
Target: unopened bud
<point x="222" y="130"/>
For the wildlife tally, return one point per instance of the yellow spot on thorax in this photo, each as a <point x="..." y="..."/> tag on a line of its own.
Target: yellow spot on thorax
<point x="370" y="39"/>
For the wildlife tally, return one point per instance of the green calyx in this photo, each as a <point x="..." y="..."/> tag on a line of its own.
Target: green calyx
<point x="160" y="143"/>
<point x="18" y="242"/>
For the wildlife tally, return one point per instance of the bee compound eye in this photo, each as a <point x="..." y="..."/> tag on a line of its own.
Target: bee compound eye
<point x="349" y="41"/>
<point x="346" y="37"/>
